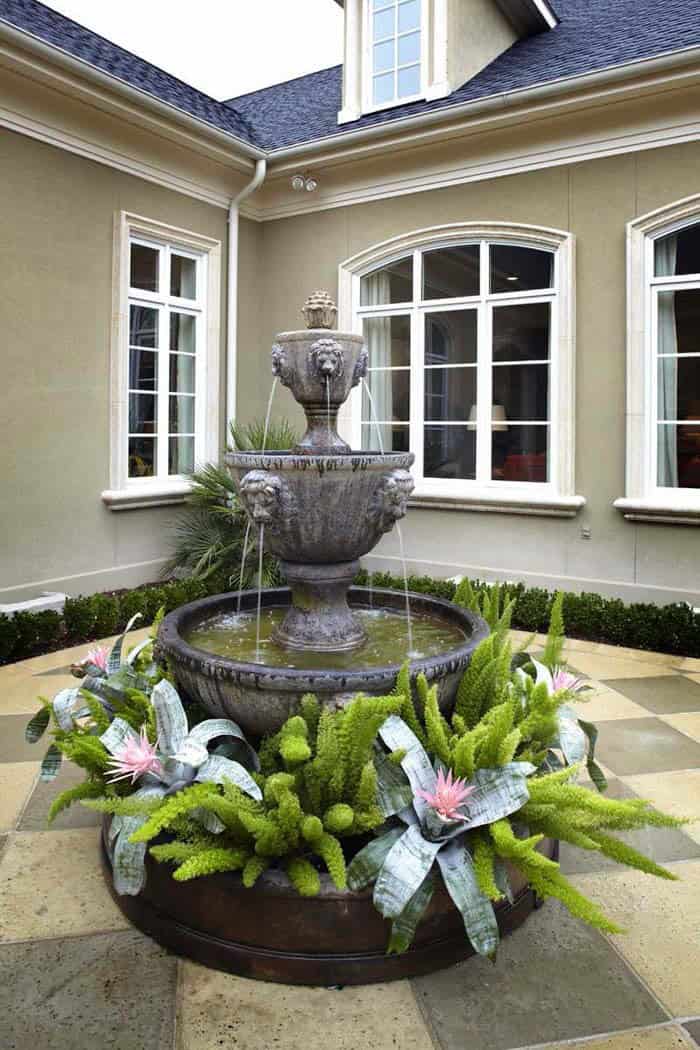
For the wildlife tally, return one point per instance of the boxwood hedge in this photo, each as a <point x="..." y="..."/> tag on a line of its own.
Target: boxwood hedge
<point x="670" y="629"/>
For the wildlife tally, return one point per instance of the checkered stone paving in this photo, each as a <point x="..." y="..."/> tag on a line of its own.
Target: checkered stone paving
<point x="75" y="976"/>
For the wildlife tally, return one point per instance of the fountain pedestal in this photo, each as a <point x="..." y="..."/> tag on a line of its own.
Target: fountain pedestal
<point x="320" y="619"/>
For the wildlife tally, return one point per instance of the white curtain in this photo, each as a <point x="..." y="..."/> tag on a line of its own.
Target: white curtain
<point x="666" y="251"/>
<point x="377" y="293"/>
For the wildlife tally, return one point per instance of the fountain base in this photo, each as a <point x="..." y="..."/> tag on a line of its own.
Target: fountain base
<point x="270" y="933"/>
<point x="320" y="619"/>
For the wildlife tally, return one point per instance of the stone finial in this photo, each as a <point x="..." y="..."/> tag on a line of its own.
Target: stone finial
<point x="320" y="311"/>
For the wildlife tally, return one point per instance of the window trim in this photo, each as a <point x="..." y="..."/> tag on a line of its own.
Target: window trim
<point x="644" y="500"/>
<point x="368" y="105"/>
<point x="556" y="497"/>
<point x="124" y="492"/>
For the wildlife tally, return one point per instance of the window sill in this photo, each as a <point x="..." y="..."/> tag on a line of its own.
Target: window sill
<point x="644" y="509"/>
<point x="538" y="504"/>
<point x="138" y="498"/>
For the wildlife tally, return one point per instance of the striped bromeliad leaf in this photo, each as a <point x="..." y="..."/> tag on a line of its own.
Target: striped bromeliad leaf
<point x="476" y="910"/>
<point x="37" y="724"/>
<point x="114" y="660"/>
<point x="404" y="926"/>
<point x="51" y="764"/>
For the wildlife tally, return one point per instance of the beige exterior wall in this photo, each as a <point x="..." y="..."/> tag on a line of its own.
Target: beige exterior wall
<point x="594" y="200"/>
<point x="57" y="215"/>
<point x="477" y="33"/>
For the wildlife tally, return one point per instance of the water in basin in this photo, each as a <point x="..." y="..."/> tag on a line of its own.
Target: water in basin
<point x="233" y="635"/>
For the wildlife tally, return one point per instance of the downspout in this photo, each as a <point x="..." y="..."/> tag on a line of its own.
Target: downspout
<point x="232" y="292"/>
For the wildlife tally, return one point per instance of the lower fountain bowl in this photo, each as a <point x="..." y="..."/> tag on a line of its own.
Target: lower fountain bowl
<point x="260" y="698"/>
<point x="270" y="933"/>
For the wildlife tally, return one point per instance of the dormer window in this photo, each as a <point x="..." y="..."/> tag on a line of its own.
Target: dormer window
<point x="399" y="51"/>
<point x="395" y="31"/>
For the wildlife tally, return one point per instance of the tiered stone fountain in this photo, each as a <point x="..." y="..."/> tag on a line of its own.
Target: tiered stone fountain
<point x="319" y="509"/>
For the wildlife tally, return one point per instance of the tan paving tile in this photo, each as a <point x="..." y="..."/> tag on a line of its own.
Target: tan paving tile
<point x="19" y="691"/>
<point x="604" y="704"/>
<point x="16" y="783"/>
<point x="688" y="723"/>
<point x="218" y="1010"/>
<point x="609" y="665"/>
<point x="662" y="920"/>
<point x="51" y="885"/>
<point x="677" y="794"/>
<point x="689" y="664"/>
<point x="671" y="1038"/>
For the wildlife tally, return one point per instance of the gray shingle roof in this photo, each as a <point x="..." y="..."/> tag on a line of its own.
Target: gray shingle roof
<point x="593" y="35"/>
<point x="53" y="28"/>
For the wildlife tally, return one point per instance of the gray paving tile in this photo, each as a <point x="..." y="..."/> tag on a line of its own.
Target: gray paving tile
<point x="13" y="746"/>
<point x="693" y="1029"/>
<point x="644" y="745"/>
<point x="554" y="979"/>
<point x="112" y="991"/>
<point x="665" y="695"/>
<point x="660" y="844"/>
<point x="36" y="811"/>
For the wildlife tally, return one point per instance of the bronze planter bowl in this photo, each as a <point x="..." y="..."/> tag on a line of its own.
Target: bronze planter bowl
<point x="270" y="933"/>
<point x="261" y="698"/>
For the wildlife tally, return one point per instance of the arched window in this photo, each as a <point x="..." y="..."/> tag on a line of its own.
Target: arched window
<point x="470" y="339"/>
<point x="663" y="380"/>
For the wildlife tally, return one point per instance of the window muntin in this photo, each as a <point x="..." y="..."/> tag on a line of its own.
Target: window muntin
<point x="165" y="336"/>
<point x="395" y="48"/>
<point x="464" y="347"/>
<point x="675" y="374"/>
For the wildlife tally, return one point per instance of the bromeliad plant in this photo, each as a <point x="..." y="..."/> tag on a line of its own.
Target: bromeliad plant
<point x="386" y="793"/>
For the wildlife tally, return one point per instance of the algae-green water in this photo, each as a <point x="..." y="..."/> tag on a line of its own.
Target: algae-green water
<point x="233" y="635"/>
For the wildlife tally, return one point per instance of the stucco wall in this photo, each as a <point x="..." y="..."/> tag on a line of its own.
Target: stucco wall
<point x="57" y="214"/>
<point x="594" y="200"/>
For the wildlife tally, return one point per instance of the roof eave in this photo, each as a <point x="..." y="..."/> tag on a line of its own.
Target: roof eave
<point x="529" y="17"/>
<point x="622" y="73"/>
<point x="73" y="64"/>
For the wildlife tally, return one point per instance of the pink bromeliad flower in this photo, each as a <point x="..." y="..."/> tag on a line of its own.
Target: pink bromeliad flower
<point x="562" y="679"/>
<point x="449" y="795"/>
<point x="98" y="657"/>
<point x="135" y="759"/>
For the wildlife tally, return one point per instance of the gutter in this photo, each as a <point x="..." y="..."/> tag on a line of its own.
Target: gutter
<point x="27" y="41"/>
<point x="495" y="104"/>
<point x="232" y="288"/>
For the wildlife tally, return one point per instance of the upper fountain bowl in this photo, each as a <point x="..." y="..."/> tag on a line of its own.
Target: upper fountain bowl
<point x="320" y="368"/>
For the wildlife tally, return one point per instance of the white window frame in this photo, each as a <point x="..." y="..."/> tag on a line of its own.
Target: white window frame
<point x="556" y="497"/>
<point x="644" y="499"/>
<point x="125" y="492"/>
<point x="369" y="106"/>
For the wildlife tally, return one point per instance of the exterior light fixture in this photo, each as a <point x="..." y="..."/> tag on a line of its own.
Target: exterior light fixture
<point x="304" y="182"/>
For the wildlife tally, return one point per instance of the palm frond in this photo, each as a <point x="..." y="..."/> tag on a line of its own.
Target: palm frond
<point x="249" y="437"/>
